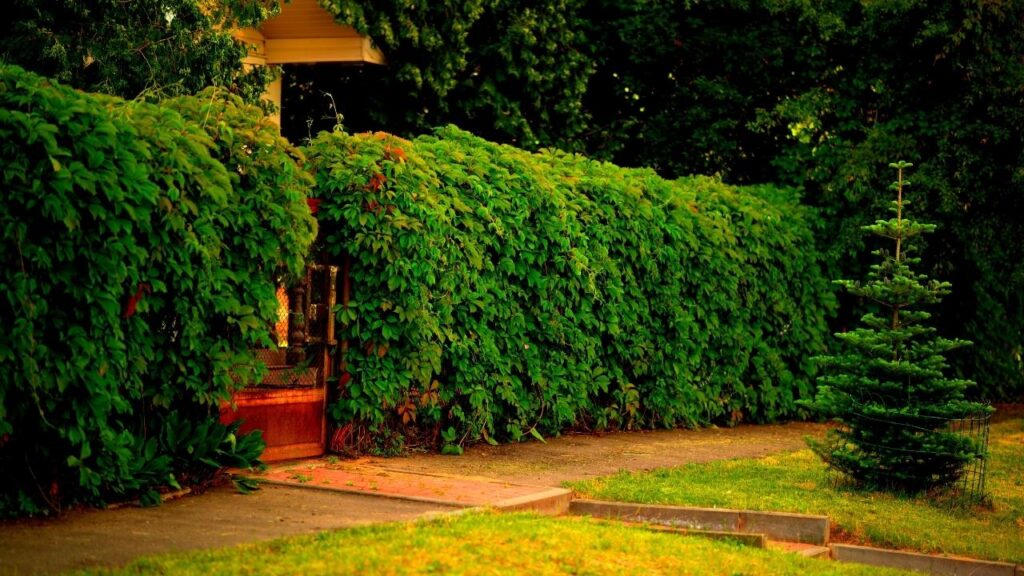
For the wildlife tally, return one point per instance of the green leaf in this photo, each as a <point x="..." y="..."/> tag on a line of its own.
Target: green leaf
<point x="536" y="434"/>
<point x="451" y="450"/>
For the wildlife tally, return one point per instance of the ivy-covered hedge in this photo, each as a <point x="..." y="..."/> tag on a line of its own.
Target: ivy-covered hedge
<point x="497" y="293"/>
<point x="142" y="244"/>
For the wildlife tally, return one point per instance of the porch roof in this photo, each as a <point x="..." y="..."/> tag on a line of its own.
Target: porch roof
<point x="306" y="33"/>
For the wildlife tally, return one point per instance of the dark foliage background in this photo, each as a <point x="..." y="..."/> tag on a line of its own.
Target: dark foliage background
<point x="163" y="48"/>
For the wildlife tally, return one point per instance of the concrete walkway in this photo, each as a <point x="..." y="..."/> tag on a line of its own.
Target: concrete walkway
<point x="583" y="456"/>
<point x="323" y="494"/>
<point x="361" y="478"/>
<point x="220" y="517"/>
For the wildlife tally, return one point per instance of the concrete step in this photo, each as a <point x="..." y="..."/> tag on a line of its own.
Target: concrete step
<point x="459" y="491"/>
<point x="550" y="501"/>
<point x="800" y="548"/>
<point x="775" y="525"/>
<point x="745" y="538"/>
<point x="926" y="563"/>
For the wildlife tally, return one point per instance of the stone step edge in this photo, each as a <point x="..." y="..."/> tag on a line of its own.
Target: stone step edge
<point x="745" y="538"/>
<point x="808" y="550"/>
<point x="549" y="501"/>
<point x="348" y="490"/>
<point x="920" y="562"/>
<point x="298" y="466"/>
<point x="802" y="528"/>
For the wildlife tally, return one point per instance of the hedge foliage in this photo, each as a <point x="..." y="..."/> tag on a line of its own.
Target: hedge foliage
<point x="816" y="95"/>
<point x="142" y="245"/>
<point x="498" y="293"/>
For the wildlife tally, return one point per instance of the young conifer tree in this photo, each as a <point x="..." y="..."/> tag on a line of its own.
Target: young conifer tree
<point x="886" y="385"/>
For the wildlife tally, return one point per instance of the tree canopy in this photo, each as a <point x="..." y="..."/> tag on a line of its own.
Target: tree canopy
<point x="164" y="47"/>
<point x="506" y="69"/>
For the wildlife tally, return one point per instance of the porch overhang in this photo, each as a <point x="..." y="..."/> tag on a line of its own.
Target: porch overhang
<point x="304" y="32"/>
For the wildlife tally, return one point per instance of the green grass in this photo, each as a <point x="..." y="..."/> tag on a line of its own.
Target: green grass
<point x="798" y="482"/>
<point x="488" y="543"/>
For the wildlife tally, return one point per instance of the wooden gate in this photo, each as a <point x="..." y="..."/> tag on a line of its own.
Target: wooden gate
<point x="289" y="405"/>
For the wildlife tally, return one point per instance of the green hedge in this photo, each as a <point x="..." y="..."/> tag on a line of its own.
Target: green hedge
<point x="498" y="293"/>
<point x="142" y="245"/>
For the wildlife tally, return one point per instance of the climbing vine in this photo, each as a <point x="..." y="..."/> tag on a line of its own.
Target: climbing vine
<point x="498" y="293"/>
<point x="144" y="247"/>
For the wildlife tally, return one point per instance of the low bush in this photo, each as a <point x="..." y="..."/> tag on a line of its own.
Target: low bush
<point x="498" y="293"/>
<point x="142" y="250"/>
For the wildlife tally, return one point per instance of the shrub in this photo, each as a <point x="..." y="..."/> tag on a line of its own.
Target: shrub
<point x="498" y="293"/>
<point x="143" y="255"/>
<point x="886" y="385"/>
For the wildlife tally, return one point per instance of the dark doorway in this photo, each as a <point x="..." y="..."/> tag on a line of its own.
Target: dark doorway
<point x="313" y="95"/>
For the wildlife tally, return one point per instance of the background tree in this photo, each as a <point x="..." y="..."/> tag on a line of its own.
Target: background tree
<point x="166" y="47"/>
<point x="678" y="85"/>
<point x="886" y="385"/>
<point x="508" y="70"/>
<point x="936" y="83"/>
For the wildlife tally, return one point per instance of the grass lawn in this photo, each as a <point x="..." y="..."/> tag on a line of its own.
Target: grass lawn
<point x="797" y="482"/>
<point x="486" y="543"/>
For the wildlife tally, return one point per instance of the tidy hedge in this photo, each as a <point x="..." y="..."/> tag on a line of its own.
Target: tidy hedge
<point x="142" y="246"/>
<point x="497" y="293"/>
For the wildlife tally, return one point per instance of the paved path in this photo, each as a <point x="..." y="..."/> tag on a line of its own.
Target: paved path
<point x="362" y="478"/>
<point x="220" y="517"/>
<point x="582" y="456"/>
<point x="483" y="475"/>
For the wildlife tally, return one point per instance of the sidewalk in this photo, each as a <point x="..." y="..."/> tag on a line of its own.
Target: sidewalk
<point x="583" y="456"/>
<point x="323" y="494"/>
<point x="218" y="518"/>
